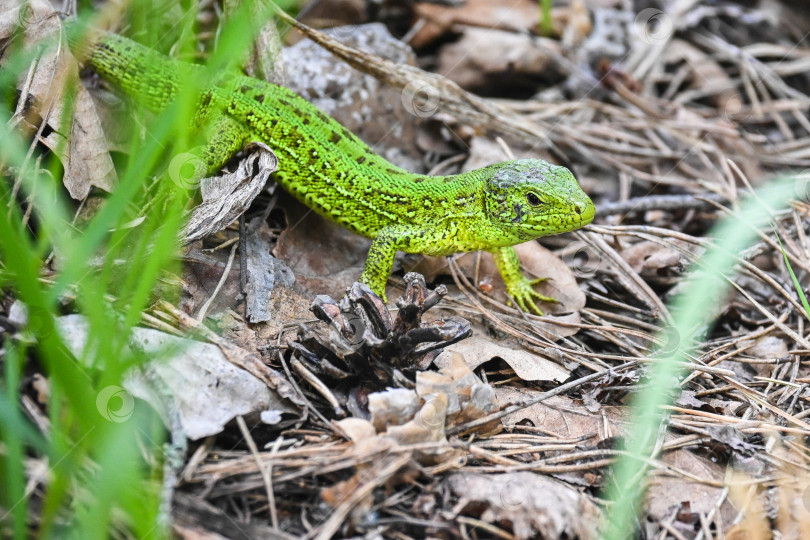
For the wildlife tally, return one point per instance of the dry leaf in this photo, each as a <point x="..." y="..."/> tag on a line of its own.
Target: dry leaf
<point x="769" y="347"/>
<point x="264" y="272"/>
<point x="357" y="429"/>
<point x="515" y="15"/>
<point x="426" y="426"/>
<point x="647" y="258"/>
<point x="563" y="417"/>
<point x="202" y="274"/>
<point x="527" y="365"/>
<point x="462" y="387"/>
<point x="667" y="491"/>
<point x="195" y="383"/>
<point x="325" y="257"/>
<point x="453" y="396"/>
<point x="227" y="196"/>
<point x="55" y="95"/>
<point x="504" y="63"/>
<point x="393" y="407"/>
<point x="533" y="505"/>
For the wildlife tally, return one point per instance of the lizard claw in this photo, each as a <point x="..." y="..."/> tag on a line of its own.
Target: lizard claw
<point x="523" y="294"/>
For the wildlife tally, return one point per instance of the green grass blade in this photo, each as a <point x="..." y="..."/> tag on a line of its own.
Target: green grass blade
<point x="691" y="312"/>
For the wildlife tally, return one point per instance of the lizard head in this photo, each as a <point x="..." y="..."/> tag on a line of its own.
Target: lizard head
<point x="530" y="198"/>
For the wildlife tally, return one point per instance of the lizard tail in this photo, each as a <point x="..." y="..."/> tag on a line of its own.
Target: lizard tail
<point x="134" y="69"/>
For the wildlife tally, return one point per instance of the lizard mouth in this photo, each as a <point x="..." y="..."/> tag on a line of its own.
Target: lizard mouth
<point x="563" y="222"/>
<point x="587" y="215"/>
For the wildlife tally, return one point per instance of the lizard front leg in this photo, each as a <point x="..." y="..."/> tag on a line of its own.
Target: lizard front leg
<point x="518" y="286"/>
<point x="381" y="255"/>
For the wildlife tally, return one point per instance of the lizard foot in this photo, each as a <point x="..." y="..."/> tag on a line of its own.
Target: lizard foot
<point x="522" y="292"/>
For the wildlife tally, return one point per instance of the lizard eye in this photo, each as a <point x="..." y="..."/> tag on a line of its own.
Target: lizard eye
<point x="533" y="199"/>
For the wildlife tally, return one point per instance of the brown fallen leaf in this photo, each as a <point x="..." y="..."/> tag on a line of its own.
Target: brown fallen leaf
<point x="512" y="15"/>
<point x="393" y="407"/>
<point x="325" y="257"/>
<point x="426" y="426"/>
<point x="767" y="348"/>
<point x="563" y="417"/>
<point x="504" y="63"/>
<point x="647" y="258"/>
<point x="534" y="505"/>
<point x="357" y="429"/>
<point x="224" y="197"/>
<point x="468" y="398"/>
<point x="666" y="492"/>
<point x="202" y="275"/>
<point x="53" y="93"/>
<point x="527" y="365"/>
<point x="454" y="395"/>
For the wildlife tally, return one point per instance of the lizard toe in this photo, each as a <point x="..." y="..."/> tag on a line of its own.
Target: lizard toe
<point x="533" y="307"/>
<point x="525" y="297"/>
<point x="544" y="298"/>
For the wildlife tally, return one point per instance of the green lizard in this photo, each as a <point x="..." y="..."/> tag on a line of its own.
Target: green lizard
<point x="333" y="172"/>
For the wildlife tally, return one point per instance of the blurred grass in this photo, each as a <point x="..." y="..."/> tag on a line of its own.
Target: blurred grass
<point x="705" y="286"/>
<point x="103" y="476"/>
<point x="546" y="24"/>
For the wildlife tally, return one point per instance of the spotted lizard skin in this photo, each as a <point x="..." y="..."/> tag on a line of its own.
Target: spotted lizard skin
<point x="333" y="172"/>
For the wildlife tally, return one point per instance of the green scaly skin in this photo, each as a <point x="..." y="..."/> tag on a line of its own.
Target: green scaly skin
<point x="330" y="170"/>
